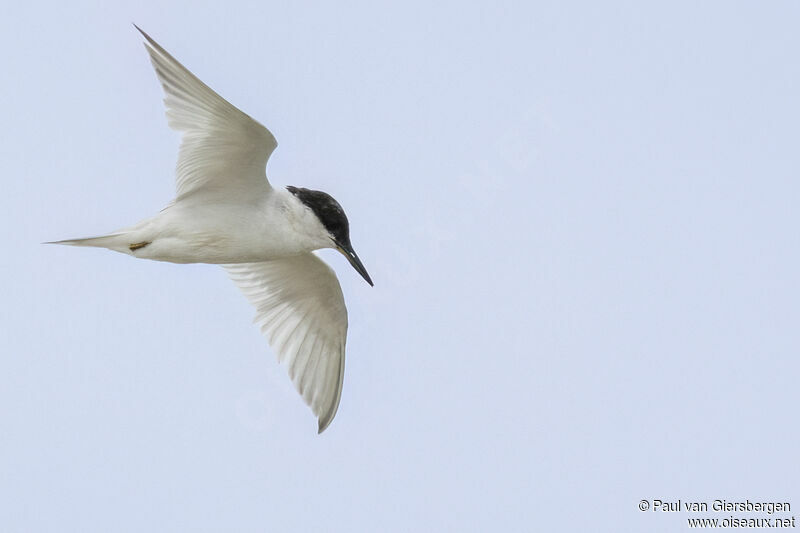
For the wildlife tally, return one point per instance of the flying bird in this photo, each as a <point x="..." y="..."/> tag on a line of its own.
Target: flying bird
<point x="226" y="212"/>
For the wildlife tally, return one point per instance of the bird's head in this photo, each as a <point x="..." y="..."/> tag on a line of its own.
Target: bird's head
<point x="332" y="217"/>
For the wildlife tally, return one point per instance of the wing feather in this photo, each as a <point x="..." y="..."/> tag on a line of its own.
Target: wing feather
<point x="223" y="150"/>
<point x="301" y="310"/>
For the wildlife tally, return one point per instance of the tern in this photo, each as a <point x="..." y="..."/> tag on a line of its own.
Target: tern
<point x="226" y="212"/>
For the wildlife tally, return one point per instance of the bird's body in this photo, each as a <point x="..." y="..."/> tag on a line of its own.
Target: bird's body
<point x="227" y="213"/>
<point x="192" y="230"/>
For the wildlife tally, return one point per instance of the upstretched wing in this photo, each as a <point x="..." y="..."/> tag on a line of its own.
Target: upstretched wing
<point x="223" y="150"/>
<point x="300" y="308"/>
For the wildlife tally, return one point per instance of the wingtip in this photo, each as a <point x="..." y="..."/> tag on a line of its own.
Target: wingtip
<point x="144" y="33"/>
<point x="326" y="419"/>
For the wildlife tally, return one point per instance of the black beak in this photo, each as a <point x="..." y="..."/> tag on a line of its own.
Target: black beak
<point x="350" y="254"/>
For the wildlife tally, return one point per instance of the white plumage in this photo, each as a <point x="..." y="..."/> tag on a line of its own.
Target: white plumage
<point x="300" y="308"/>
<point x="224" y="151"/>
<point x="225" y="212"/>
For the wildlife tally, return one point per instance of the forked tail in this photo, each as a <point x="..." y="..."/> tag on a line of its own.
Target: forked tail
<point x="115" y="241"/>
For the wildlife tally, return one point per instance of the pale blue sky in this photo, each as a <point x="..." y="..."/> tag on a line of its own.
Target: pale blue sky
<point x="581" y="220"/>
